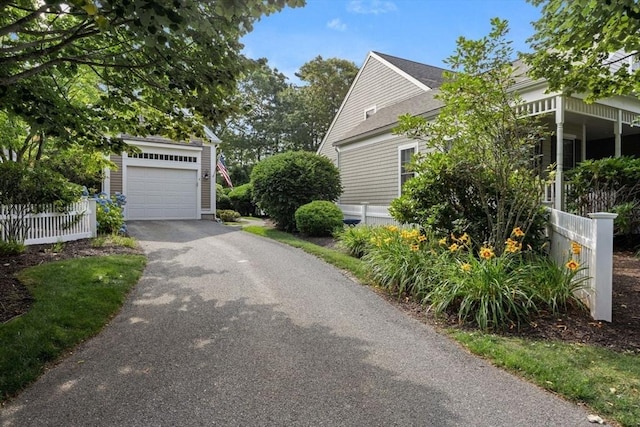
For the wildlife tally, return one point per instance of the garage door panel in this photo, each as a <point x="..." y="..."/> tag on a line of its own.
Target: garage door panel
<point x="157" y="193"/>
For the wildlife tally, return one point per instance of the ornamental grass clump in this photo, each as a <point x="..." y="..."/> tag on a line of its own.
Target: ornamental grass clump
<point x="355" y="240"/>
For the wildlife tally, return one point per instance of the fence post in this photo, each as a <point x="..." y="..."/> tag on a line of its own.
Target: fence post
<point x="363" y="211"/>
<point x="93" y="221"/>
<point x="602" y="259"/>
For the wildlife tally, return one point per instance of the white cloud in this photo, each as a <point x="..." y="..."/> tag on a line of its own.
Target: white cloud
<point x="337" y="24"/>
<point x="371" y="7"/>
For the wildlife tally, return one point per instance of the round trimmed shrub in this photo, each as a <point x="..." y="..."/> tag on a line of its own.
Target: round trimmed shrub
<point x="319" y="218"/>
<point x="284" y="182"/>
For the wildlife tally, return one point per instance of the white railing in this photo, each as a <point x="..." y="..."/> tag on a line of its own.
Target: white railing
<point x="595" y="257"/>
<point x="78" y="221"/>
<point x="368" y="214"/>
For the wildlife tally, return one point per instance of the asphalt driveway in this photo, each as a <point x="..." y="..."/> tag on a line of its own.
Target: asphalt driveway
<point x="226" y="328"/>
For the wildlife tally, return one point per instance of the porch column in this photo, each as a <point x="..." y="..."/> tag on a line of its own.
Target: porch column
<point x="558" y="202"/>
<point x="617" y="130"/>
<point x="583" y="143"/>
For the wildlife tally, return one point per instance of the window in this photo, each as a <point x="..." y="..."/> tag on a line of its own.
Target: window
<point x="405" y="154"/>
<point x="369" y="112"/>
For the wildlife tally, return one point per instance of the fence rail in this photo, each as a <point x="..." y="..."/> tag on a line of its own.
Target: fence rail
<point x="46" y="225"/>
<point x="368" y="214"/>
<point x="595" y="237"/>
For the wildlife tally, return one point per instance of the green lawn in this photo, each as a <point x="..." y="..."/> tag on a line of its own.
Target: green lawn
<point x="73" y="300"/>
<point x="606" y="381"/>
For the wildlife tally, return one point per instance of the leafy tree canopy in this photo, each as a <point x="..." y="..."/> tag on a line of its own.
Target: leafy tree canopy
<point x="573" y="43"/>
<point x="148" y="56"/>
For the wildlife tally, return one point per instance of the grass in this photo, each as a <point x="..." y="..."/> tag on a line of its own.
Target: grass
<point x="73" y="300"/>
<point x="114" y="239"/>
<point x="607" y="381"/>
<point x="332" y="256"/>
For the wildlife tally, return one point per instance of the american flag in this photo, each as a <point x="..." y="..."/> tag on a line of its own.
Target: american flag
<point x="223" y="170"/>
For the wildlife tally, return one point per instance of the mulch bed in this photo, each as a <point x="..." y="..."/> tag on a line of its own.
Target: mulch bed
<point x="623" y="334"/>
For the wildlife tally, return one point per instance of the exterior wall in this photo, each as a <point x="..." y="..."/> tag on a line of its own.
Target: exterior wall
<point x="377" y="85"/>
<point x="370" y="170"/>
<point x="205" y="187"/>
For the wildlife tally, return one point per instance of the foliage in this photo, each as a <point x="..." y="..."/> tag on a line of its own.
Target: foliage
<point x="73" y="300"/>
<point x="355" y="240"/>
<point x="284" y="182"/>
<point x="110" y="213"/>
<point x="25" y="190"/>
<point x="11" y="247"/>
<point x="319" y="218"/>
<point x="607" y="185"/>
<point x="573" y="43"/>
<point x="223" y="201"/>
<point x="493" y="288"/>
<point x="227" y="215"/>
<point x="483" y="177"/>
<point x="160" y="58"/>
<point x="241" y="199"/>
<point x="280" y="116"/>
<point x="79" y="165"/>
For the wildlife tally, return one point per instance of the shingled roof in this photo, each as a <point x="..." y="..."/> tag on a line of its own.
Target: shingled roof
<point x="426" y="74"/>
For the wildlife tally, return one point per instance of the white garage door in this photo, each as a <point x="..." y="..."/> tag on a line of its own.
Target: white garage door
<point x="156" y="193"/>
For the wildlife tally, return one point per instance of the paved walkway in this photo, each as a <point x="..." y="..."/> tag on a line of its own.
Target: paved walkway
<point x="227" y="328"/>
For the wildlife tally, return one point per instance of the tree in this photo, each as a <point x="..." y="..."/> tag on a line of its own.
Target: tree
<point x="327" y="83"/>
<point x="284" y="182"/>
<point x="484" y="172"/>
<point x="573" y="43"/>
<point x="147" y="55"/>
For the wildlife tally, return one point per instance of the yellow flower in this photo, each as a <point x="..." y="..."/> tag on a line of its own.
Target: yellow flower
<point x="464" y="238"/>
<point x="392" y="228"/>
<point x="486" y="253"/>
<point x="513" y="246"/>
<point x="422" y="238"/>
<point x="517" y="232"/>
<point x="387" y="240"/>
<point x="454" y="247"/>
<point x="572" y="265"/>
<point x="443" y="241"/>
<point x="466" y="267"/>
<point x="576" y="248"/>
<point x="415" y="247"/>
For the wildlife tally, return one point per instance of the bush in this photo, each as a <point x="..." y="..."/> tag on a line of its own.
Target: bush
<point x="110" y="213"/>
<point x="241" y="201"/>
<point x="319" y="218"/>
<point x="223" y="202"/>
<point x="607" y="185"/>
<point x="227" y="215"/>
<point x="284" y="182"/>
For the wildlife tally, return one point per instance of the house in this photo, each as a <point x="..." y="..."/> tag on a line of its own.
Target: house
<point x="165" y="180"/>
<point x="372" y="160"/>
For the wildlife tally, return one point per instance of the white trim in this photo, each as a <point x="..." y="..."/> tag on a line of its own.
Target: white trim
<point x="402" y="73"/>
<point x="372" y="109"/>
<point x="401" y="148"/>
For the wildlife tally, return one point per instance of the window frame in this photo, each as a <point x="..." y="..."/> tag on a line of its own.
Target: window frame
<point x="401" y="148"/>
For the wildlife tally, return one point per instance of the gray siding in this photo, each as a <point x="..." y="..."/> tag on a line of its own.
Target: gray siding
<point x="205" y="187"/>
<point x="376" y="85"/>
<point x="370" y="173"/>
<point x="116" y="175"/>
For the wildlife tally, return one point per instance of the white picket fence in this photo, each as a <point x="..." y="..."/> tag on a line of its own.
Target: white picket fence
<point x="78" y="221"/>
<point x="368" y="214"/>
<point x="595" y="236"/>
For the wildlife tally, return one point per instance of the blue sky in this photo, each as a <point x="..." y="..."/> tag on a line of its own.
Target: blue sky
<point x="419" y="30"/>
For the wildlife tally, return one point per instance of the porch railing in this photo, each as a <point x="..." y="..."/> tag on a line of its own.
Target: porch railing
<point x="78" y="221"/>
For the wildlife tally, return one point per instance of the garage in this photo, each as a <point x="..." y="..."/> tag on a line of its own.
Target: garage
<point x="159" y="193"/>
